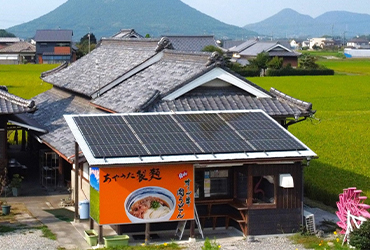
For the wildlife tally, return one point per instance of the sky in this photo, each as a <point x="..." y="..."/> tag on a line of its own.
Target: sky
<point x="236" y="12"/>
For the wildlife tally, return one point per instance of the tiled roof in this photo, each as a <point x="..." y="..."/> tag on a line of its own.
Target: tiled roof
<point x="254" y="47"/>
<point x="12" y="104"/>
<point x="51" y="106"/>
<point x="227" y="98"/>
<point x="110" y="60"/>
<point x="19" y="48"/>
<point x="191" y="43"/>
<point x="127" y="33"/>
<point x="171" y="71"/>
<point x="53" y="35"/>
<point x="9" y="39"/>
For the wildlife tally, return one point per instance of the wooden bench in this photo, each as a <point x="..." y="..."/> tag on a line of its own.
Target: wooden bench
<point x="214" y="218"/>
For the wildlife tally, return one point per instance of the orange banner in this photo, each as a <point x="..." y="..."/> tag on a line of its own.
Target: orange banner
<point x="146" y="194"/>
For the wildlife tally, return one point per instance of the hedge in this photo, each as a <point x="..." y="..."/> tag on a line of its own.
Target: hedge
<point x="246" y="72"/>
<point x="299" y="72"/>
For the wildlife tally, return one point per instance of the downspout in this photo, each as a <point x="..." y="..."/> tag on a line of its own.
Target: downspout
<point x="77" y="216"/>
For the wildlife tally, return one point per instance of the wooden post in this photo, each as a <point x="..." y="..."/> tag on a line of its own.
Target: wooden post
<point x="100" y="235"/>
<point x="23" y="148"/>
<point x="192" y="229"/>
<point x="147" y="233"/>
<point x="77" y="216"/>
<point x="91" y="223"/>
<point x="60" y="172"/>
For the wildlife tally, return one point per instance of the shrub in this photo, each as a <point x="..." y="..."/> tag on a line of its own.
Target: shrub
<point x="360" y="238"/>
<point x="210" y="245"/>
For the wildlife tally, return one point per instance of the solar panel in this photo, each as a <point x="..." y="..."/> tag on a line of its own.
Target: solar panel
<point x="182" y="134"/>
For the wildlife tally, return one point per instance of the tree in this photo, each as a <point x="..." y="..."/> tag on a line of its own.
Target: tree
<point x="275" y="63"/>
<point x="83" y="45"/>
<point x="212" y="48"/>
<point x="260" y="61"/>
<point x="307" y="61"/>
<point x="85" y="38"/>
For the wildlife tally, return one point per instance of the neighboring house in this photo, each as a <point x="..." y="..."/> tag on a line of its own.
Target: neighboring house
<point x="54" y="46"/>
<point x="10" y="105"/>
<point x="251" y="48"/>
<point x="17" y="53"/>
<point x="127" y="33"/>
<point x="358" y="43"/>
<point x="7" y="41"/>
<point x="148" y="75"/>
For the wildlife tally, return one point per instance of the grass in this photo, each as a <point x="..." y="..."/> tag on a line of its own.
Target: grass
<point x="62" y="214"/>
<point x="9" y="223"/>
<point x="313" y="242"/>
<point x="340" y="138"/>
<point x="24" y="80"/>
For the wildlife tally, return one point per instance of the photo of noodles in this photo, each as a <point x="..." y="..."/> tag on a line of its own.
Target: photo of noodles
<point x="150" y="204"/>
<point x="150" y="208"/>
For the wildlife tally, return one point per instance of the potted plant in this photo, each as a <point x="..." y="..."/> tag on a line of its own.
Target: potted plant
<point x="15" y="184"/>
<point x="3" y="181"/>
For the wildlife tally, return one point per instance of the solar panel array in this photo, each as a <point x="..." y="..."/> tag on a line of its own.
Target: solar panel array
<point x="183" y="134"/>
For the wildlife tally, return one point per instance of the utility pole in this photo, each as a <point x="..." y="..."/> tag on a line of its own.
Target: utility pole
<point x="89" y="39"/>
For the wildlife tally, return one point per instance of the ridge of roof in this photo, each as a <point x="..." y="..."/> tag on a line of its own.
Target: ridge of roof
<point x="16" y="99"/>
<point x="55" y="70"/>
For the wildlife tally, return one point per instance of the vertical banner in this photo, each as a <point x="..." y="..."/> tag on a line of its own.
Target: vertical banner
<point x="146" y="194"/>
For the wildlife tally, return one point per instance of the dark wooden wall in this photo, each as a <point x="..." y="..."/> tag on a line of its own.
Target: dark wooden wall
<point x="286" y="215"/>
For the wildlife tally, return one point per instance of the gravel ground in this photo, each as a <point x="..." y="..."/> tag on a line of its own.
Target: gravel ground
<point x="26" y="239"/>
<point x="260" y="243"/>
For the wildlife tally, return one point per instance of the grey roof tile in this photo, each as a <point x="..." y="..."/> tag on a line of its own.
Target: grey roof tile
<point x="52" y="105"/>
<point x="170" y="72"/>
<point x="19" y="48"/>
<point x="110" y="60"/>
<point x="191" y="43"/>
<point x="228" y="98"/>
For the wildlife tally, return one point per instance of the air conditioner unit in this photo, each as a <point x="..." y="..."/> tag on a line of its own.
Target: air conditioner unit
<point x="309" y="219"/>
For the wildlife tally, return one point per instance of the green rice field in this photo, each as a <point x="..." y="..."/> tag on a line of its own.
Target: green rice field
<point x="339" y="134"/>
<point x="24" y="80"/>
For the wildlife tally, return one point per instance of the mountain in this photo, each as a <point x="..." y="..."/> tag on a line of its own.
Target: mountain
<point x="107" y="17"/>
<point x="289" y="23"/>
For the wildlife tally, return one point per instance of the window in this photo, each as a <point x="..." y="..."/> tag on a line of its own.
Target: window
<point x="213" y="183"/>
<point x="264" y="189"/>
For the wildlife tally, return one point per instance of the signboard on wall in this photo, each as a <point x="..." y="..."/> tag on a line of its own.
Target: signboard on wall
<point x="142" y="194"/>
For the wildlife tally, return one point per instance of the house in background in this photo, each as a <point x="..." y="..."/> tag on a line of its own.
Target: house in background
<point x="127" y="33"/>
<point x="251" y="48"/>
<point x="321" y="42"/>
<point x="17" y="53"/>
<point x="54" y="46"/>
<point x="7" y="41"/>
<point x="358" y="43"/>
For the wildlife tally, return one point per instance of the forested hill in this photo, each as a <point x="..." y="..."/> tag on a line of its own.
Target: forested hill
<point x="107" y="17"/>
<point x="289" y="23"/>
